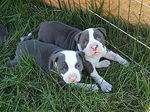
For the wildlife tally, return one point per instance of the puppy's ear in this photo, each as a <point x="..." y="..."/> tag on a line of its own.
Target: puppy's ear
<point x="77" y="37"/>
<point x="102" y="30"/>
<point x="52" y="60"/>
<point x="81" y="54"/>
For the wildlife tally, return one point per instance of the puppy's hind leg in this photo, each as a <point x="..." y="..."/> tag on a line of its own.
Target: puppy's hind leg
<point x="11" y="63"/>
<point x="34" y="31"/>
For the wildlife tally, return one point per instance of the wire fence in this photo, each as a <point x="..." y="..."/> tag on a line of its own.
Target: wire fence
<point x="139" y="38"/>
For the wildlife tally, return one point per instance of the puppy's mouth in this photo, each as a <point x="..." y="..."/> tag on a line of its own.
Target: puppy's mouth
<point x="96" y="53"/>
<point x="73" y="81"/>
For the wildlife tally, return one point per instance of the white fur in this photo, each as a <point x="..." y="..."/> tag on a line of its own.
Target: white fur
<point x="21" y="39"/>
<point x="24" y="38"/>
<point x="79" y="47"/>
<point x="102" y="64"/>
<point x="96" y="77"/>
<point x="71" y="60"/>
<point x="29" y="34"/>
<point x="115" y="57"/>
<point x="105" y="86"/>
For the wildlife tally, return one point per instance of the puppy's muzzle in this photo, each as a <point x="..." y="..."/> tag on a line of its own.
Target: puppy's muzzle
<point x="74" y="77"/>
<point x="94" y="49"/>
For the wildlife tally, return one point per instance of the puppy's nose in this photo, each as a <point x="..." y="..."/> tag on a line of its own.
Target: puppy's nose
<point x="73" y="79"/>
<point x="94" y="47"/>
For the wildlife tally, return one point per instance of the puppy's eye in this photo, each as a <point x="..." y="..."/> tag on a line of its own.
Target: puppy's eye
<point x="62" y="69"/>
<point x="84" y="42"/>
<point x="78" y="65"/>
<point x="98" y="38"/>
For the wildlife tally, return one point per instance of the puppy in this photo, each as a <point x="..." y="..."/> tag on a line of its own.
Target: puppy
<point x="68" y="63"/>
<point x="91" y="41"/>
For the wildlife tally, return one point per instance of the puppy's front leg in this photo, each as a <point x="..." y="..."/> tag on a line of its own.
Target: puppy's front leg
<point x="92" y="87"/>
<point x="116" y="57"/>
<point x="90" y="68"/>
<point x="105" y="86"/>
<point x="102" y="64"/>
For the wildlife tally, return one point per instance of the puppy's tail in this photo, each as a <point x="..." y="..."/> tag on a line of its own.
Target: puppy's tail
<point x="11" y="63"/>
<point x="34" y="31"/>
<point x="24" y="38"/>
<point x="29" y="35"/>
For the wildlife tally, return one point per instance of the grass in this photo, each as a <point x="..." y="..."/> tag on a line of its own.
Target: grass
<point x="28" y="88"/>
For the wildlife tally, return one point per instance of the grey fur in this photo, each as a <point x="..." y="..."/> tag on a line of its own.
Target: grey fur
<point x="45" y="55"/>
<point x="40" y="52"/>
<point x="65" y="36"/>
<point x="68" y="37"/>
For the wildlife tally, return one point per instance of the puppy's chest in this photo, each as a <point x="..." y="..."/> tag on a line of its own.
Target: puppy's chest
<point x="93" y="60"/>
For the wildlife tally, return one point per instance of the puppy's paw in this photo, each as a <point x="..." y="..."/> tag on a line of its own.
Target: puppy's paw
<point x="92" y="87"/>
<point x="102" y="64"/>
<point x="105" y="63"/>
<point x="22" y="39"/>
<point x="106" y="87"/>
<point x="125" y="63"/>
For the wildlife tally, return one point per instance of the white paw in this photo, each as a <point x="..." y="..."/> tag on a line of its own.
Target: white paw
<point x="106" y="87"/>
<point x="22" y="39"/>
<point x="105" y="63"/>
<point x="102" y="64"/>
<point x="125" y="63"/>
<point x="92" y="87"/>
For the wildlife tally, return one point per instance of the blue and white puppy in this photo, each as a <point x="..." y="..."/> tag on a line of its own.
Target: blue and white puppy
<point x="91" y="41"/>
<point x="68" y="63"/>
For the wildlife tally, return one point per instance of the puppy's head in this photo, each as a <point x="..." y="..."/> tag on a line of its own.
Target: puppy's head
<point x="91" y="41"/>
<point x="68" y="64"/>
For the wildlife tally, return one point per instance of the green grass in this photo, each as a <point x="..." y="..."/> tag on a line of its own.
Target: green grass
<point x="29" y="88"/>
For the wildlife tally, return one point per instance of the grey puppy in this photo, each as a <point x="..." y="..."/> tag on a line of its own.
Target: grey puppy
<point x="91" y="41"/>
<point x="68" y="63"/>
